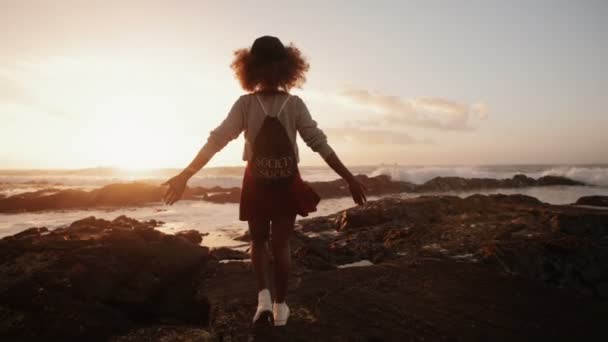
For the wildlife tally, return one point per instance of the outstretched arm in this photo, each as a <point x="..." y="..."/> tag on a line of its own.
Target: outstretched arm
<point x="356" y="187"/>
<point x="228" y="130"/>
<point x="316" y="139"/>
<point x="177" y="184"/>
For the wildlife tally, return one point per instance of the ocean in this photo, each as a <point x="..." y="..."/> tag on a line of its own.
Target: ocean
<point x="220" y="221"/>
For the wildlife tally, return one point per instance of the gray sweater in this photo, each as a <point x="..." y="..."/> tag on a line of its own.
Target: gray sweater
<point x="247" y="115"/>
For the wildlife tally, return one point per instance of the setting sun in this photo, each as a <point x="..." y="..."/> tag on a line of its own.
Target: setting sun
<point x="125" y="114"/>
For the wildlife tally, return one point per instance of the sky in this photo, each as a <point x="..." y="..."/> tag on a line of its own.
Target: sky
<point x="139" y="84"/>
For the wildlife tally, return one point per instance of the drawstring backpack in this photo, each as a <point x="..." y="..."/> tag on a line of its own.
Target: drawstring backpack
<point x="273" y="160"/>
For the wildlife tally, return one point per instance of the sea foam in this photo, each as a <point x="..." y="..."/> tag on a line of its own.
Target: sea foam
<point x="592" y="175"/>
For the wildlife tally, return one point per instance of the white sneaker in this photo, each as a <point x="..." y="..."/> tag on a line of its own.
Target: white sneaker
<point x="280" y="312"/>
<point x="264" y="310"/>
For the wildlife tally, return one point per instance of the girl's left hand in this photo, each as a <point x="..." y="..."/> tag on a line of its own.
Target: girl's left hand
<point x="177" y="186"/>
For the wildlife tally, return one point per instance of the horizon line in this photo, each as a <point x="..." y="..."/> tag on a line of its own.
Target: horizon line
<point x="119" y="168"/>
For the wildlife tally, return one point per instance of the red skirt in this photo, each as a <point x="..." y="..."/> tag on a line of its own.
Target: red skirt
<point x="263" y="202"/>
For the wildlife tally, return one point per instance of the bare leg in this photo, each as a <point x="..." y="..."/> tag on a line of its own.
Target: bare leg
<point x="281" y="230"/>
<point x="259" y="256"/>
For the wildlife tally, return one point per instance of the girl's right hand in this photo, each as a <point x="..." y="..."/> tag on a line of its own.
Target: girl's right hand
<point x="357" y="191"/>
<point x="177" y="186"/>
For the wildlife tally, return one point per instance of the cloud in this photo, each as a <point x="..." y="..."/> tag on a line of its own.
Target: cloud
<point x="425" y="112"/>
<point x="373" y="136"/>
<point x="481" y="110"/>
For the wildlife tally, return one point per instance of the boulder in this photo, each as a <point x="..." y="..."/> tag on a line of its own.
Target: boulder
<point x="557" y="180"/>
<point x="597" y="201"/>
<point x="96" y="278"/>
<point x="193" y="236"/>
<point x="224" y="253"/>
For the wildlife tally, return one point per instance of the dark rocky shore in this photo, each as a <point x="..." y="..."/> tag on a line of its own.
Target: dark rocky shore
<point x="482" y="268"/>
<point x="596" y="201"/>
<point x="138" y="194"/>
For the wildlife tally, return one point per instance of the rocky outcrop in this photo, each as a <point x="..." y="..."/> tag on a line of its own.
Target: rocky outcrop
<point x="597" y="201"/>
<point x="139" y="194"/>
<point x="132" y="194"/>
<point x="113" y="195"/>
<point x="406" y="299"/>
<point x="445" y="268"/>
<point x="561" y="245"/>
<point x="376" y="186"/>
<point x="443" y="184"/>
<point x="166" y="333"/>
<point x="98" y="278"/>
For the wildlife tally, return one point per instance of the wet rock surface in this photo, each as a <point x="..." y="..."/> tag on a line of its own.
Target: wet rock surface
<point x="96" y="278"/>
<point x="139" y="194"/>
<point x="480" y="268"/>
<point x="561" y="245"/>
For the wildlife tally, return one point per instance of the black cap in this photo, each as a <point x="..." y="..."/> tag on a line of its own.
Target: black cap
<point x="268" y="48"/>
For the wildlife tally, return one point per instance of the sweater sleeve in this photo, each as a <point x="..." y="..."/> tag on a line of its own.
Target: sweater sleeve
<point x="312" y="135"/>
<point x="228" y="130"/>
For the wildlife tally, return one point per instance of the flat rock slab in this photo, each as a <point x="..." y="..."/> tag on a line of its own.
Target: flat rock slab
<point x="408" y="300"/>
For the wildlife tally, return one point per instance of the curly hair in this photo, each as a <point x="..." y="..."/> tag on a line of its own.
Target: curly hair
<point x="258" y="73"/>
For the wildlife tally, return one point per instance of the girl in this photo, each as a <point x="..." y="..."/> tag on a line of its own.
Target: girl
<point x="273" y="192"/>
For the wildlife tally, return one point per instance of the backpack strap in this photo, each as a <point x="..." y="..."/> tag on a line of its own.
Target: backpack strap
<point x="283" y="105"/>
<point x="261" y="105"/>
<point x="280" y="110"/>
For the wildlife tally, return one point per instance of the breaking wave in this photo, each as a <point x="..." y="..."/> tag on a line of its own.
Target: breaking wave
<point x="593" y="175"/>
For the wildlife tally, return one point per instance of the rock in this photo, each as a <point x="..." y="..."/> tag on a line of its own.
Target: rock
<point x="193" y="236"/>
<point x="224" y="253"/>
<point x="602" y="289"/>
<point x="165" y="334"/>
<point x="557" y="180"/>
<point x="112" y="195"/>
<point x="566" y="262"/>
<point x="317" y="224"/>
<point x="246" y="237"/>
<point x="444" y="184"/>
<point x="407" y="299"/>
<point x="594" y="227"/>
<point x="523" y="181"/>
<point x="313" y="254"/>
<point x="563" y="246"/>
<point x="597" y="201"/>
<point x="378" y="185"/>
<point x="96" y="278"/>
<point x="30" y="233"/>
<point x="123" y="195"/>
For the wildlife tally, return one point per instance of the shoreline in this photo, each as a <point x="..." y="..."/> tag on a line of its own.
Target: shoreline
<point x="135" y="194"/>
<point x="211" y="218"/>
